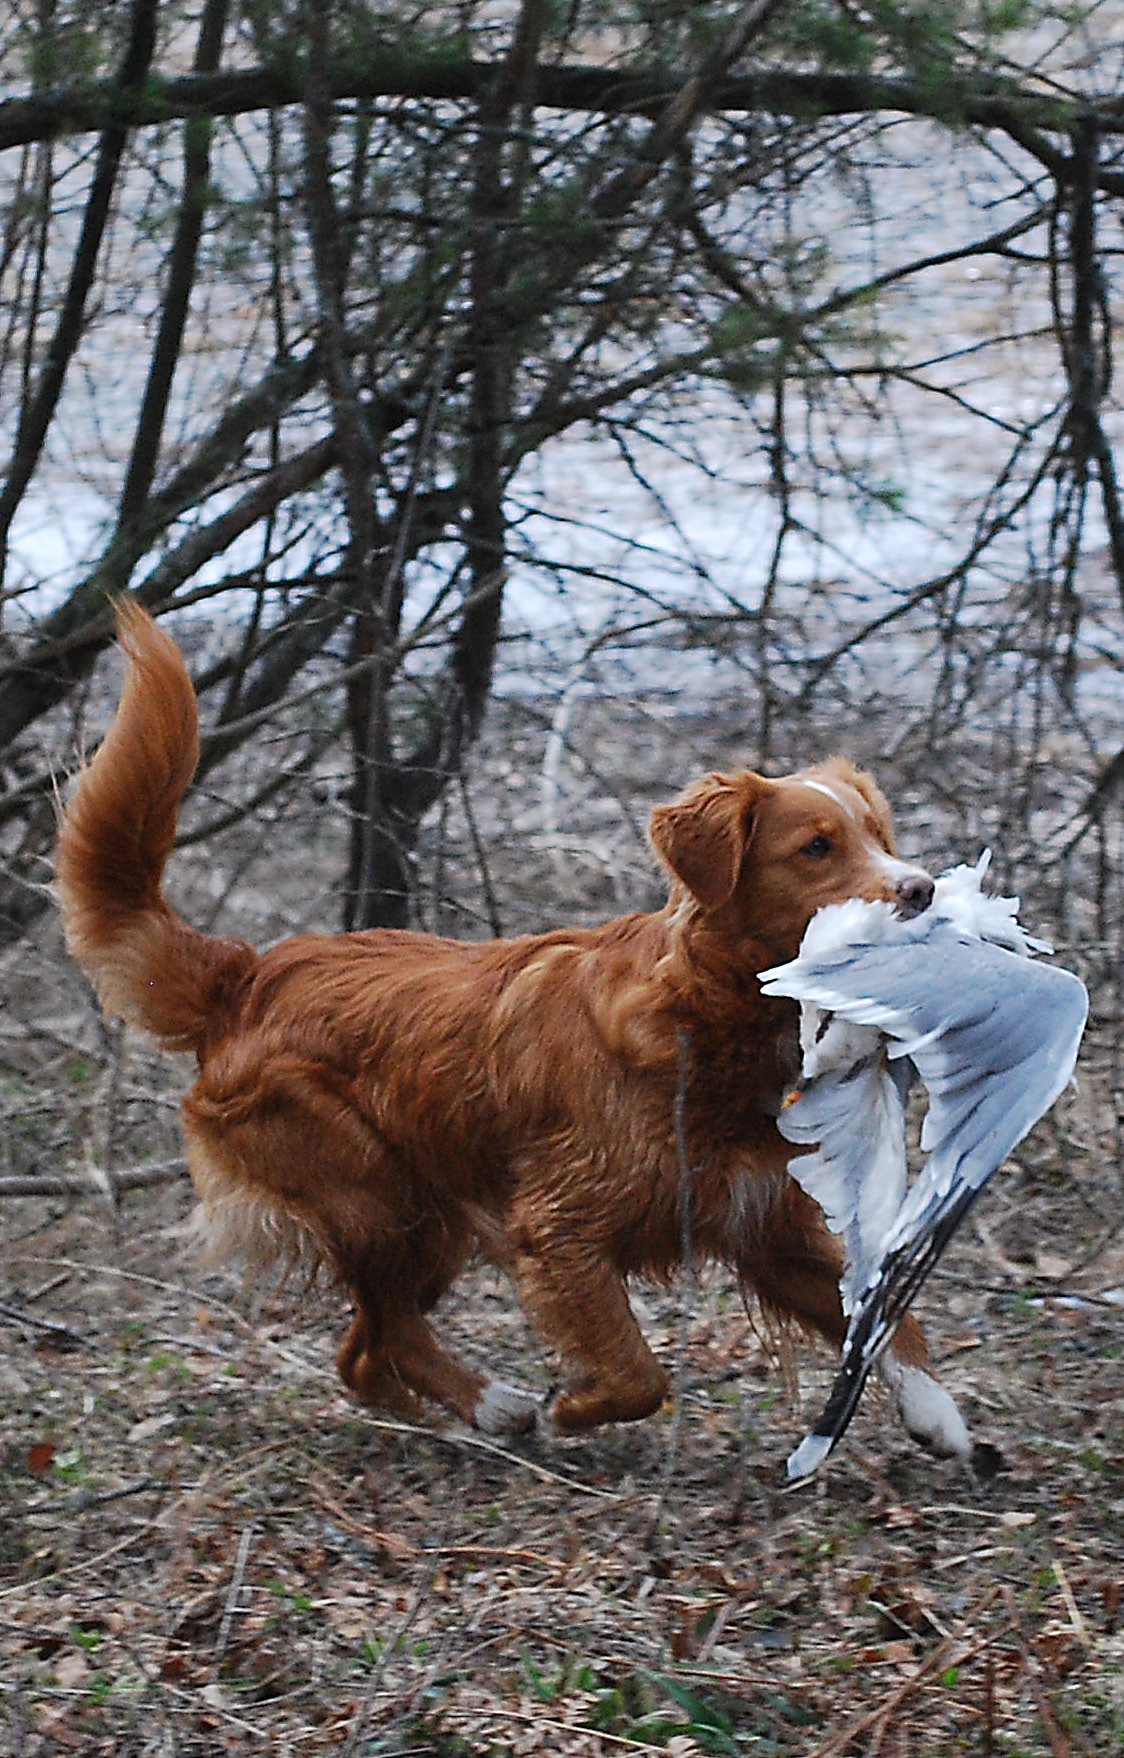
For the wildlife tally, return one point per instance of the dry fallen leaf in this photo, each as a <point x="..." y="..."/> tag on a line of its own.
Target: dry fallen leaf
<point x="71" y="1670"/>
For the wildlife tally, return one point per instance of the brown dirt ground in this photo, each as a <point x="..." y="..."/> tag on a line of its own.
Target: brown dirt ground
<point x="205" y="1547"/>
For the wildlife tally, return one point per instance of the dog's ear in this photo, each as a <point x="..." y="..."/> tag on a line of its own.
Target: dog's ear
<point x="702" y="836"/>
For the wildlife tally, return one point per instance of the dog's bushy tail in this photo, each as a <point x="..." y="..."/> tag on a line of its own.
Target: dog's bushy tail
<point x="148" y="965"/>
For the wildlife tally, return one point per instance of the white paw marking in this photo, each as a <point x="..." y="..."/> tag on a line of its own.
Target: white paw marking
<point x="501" y="1409"/>
<point x="926" y="1409"/>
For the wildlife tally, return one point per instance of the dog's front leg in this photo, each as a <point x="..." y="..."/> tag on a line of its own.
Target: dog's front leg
<point x="390" y="1357"/>
<point x="577" y="1299"/>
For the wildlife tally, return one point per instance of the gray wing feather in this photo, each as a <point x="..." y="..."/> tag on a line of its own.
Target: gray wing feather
<point x="855" y="1118"/>
<point x="992" y="1076"/>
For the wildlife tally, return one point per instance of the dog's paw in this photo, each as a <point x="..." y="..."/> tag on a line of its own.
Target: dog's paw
<point x="987" y="1461"/>
<point x="502" y="1410"/>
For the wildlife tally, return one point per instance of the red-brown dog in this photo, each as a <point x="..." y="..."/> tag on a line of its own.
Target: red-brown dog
<point x="389" y="1102"/>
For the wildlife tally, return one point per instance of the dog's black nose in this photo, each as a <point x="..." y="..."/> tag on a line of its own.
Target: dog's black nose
<point x="915" y="893"/>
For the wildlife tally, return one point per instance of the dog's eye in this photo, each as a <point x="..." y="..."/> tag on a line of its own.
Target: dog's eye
<point x="818" y="847"/>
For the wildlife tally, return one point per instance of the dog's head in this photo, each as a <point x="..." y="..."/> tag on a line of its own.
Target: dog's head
<point x="769" y="853"/>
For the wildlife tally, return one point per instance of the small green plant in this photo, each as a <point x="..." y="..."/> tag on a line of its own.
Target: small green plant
<point x="162" y="1359"/>
<point x="709" y="1726"/>
<point x="573" y="1675"/>
<point x="542" y="1687"/>
<point x="291" y="1598"/>
<point x="436" y="1744"/>
<point x="72" y="1468"/>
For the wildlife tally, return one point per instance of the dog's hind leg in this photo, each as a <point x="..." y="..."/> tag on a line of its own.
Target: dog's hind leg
<point x="280" y="1140"/>
<point x="394" y="1360"/>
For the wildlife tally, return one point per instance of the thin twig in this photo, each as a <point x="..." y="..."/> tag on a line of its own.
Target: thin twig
<point x="86" y="1499"/>
<point x="63" y="1184"/>
<point x="1080" y="1627"/>
<point x="931" y="1665"/>
<point x="572" y="1728"/>
<point x="476" y="1443"/>
<point x="362" y="1714"/>
<point x="84" y="1565"/>
<point x="1061" y="1745"/>
<point x="54" y="1329"/>
<point x="235" y="1592"/>
<point x="100" y="1147"/>
<point x="690" y="1280"/>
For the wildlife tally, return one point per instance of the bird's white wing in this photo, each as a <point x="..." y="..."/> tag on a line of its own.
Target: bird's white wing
<point x="854" y="1116"/>
<point x="996" y="1043"/>
<point x="994" y="1037"/>
<point x="851" y="1101"/>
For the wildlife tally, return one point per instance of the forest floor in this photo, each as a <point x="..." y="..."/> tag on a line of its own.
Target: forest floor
<point x="206" y="1547"/>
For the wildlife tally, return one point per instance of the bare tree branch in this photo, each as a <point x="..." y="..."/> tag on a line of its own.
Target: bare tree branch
<point x="181" y="268"/>
<point x="36" y="415"/>
<point x="1027" y="114"/>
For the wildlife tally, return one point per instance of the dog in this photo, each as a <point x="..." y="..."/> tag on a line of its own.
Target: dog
<point x="388" y="1103"/>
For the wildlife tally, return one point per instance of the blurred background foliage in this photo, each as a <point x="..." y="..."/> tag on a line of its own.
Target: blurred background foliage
<point x="635" y="370"/>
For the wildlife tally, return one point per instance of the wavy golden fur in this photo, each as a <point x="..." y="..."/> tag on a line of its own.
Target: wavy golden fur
<point x="392" y="1101"/>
